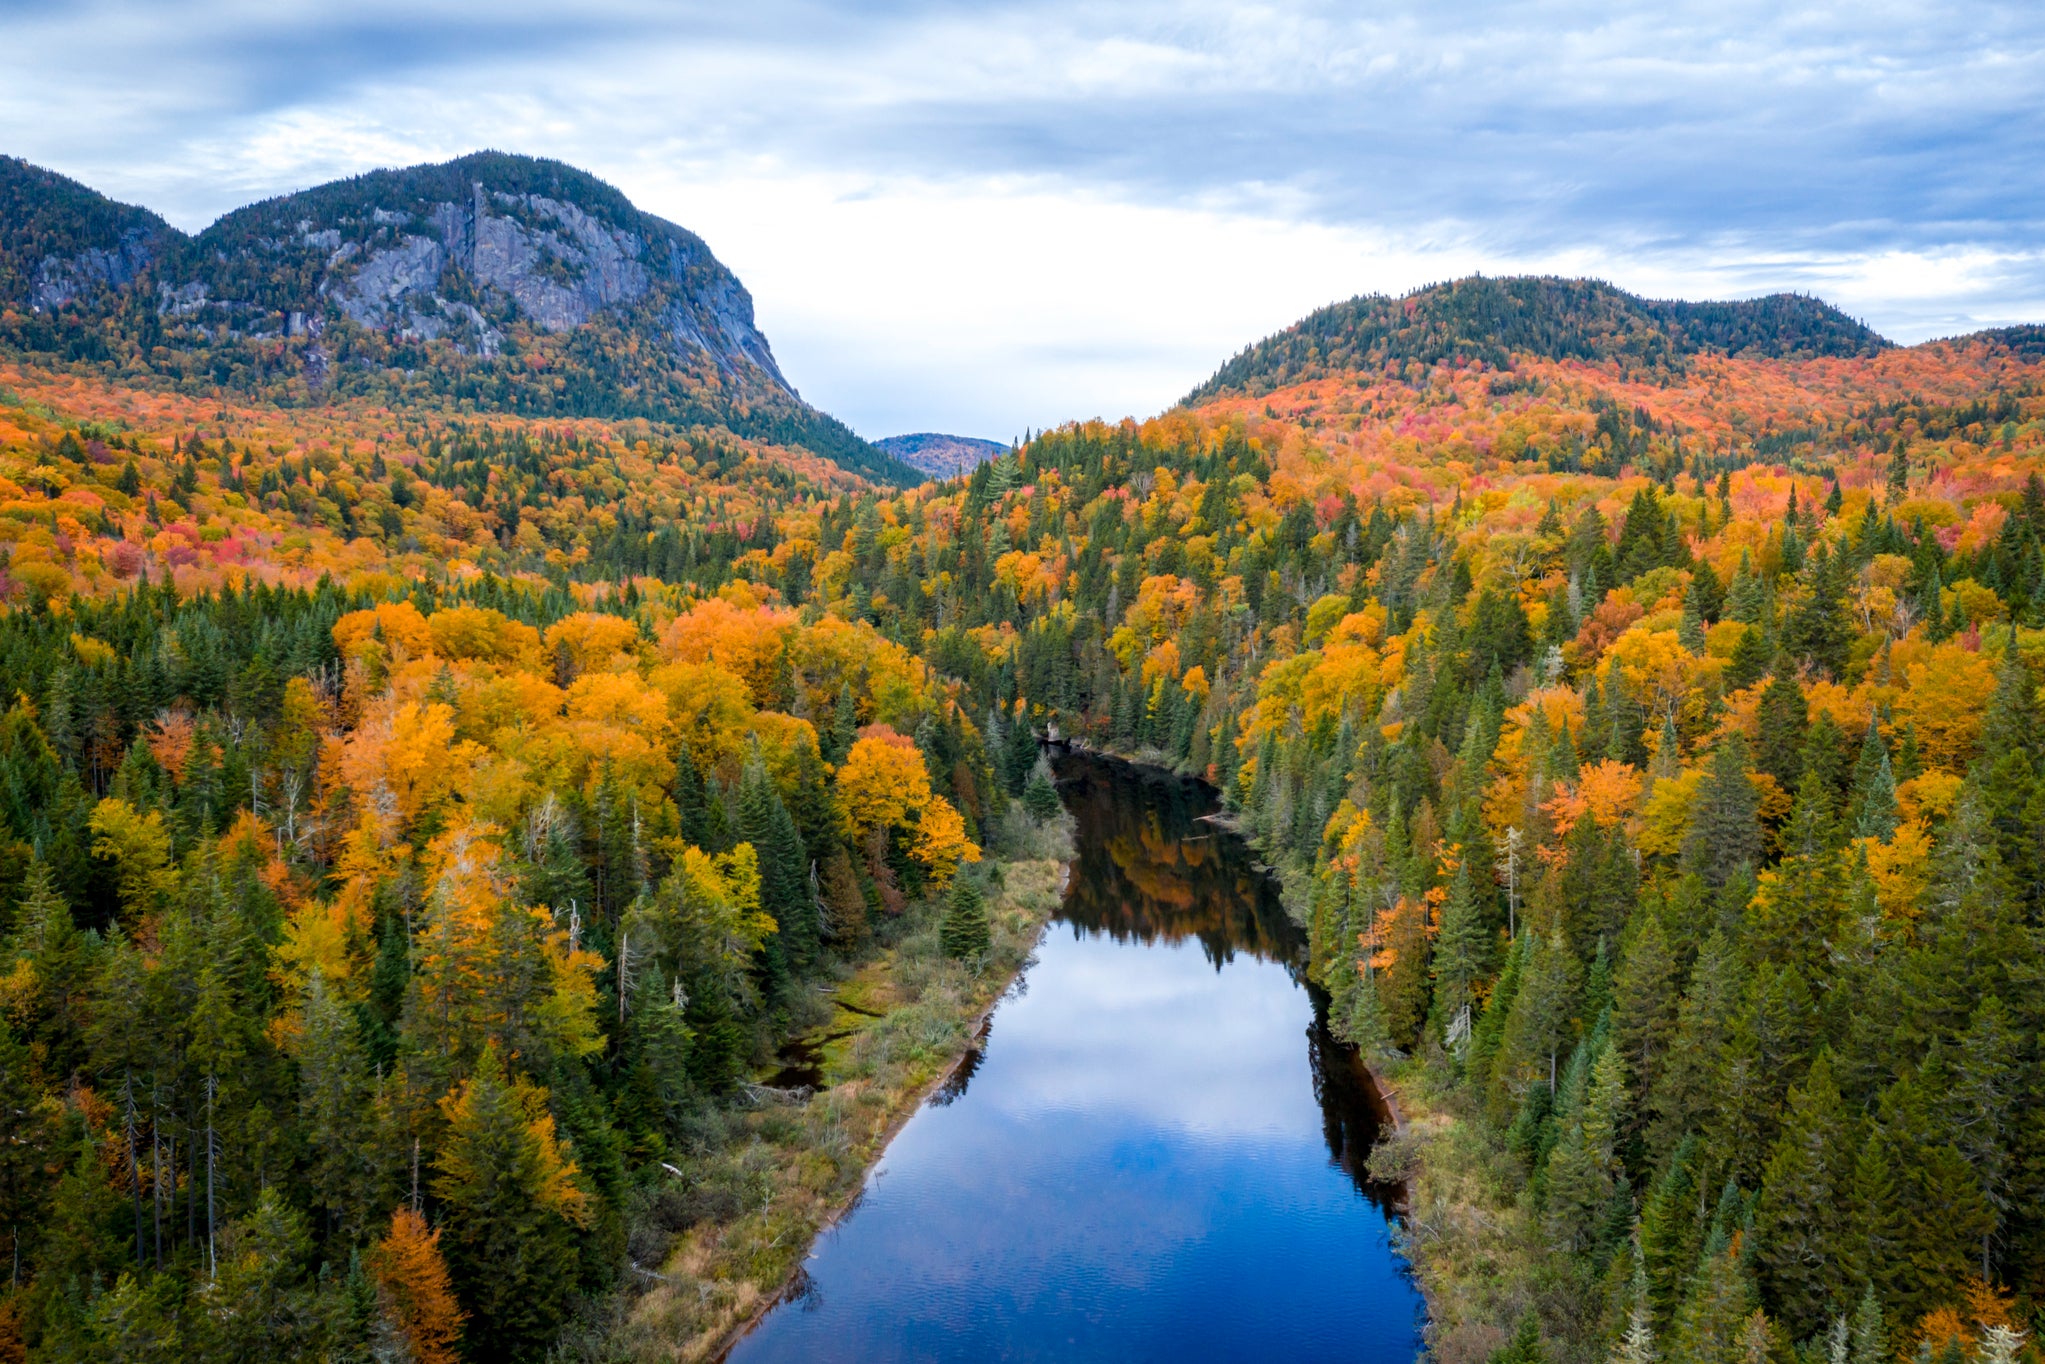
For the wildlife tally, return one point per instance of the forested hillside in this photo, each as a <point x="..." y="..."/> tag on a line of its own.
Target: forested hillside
<point x="421" y="826"/>
<point x="418" y="836"/>
<point x="1655" y="754"/>
<point x="491" y="283"/>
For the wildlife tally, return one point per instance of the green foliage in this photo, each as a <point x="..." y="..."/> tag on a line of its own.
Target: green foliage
<point x="964" y="932"/>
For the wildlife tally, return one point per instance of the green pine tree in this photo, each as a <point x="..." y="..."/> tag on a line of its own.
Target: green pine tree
<point x="1725" y="831"/>
<point x="508" y="1206"/>
<point x="1800" y="1217"/>
<point x="964" y="932"/>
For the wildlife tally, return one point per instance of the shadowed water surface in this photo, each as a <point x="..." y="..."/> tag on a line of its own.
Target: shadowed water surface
<point x="1156" y="1156"/>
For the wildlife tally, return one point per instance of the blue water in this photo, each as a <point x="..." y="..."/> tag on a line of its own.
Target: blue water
<point x="1157" y="1154"/>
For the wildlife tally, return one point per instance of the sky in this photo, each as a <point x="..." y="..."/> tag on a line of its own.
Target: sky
<point x="994" y="217"/>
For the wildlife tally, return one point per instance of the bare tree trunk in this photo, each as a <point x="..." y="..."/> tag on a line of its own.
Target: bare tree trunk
<point x="212" y="1261"/>
<point x="134" y="1164"/>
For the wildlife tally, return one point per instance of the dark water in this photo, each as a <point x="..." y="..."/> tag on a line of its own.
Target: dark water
<point x="1157" y="1155"/>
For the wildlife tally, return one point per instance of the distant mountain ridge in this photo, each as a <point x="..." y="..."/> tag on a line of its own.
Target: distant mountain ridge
<point x="1491" y="320"/>
<point x="942" y="456"/>
<point x="515" y="283"/>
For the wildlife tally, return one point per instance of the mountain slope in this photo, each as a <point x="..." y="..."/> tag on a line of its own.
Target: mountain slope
<point x="942" y="456"/>
<point x="507" y="282"/>
<point x="1493" y="320"/>
<point x="61" y="242"/>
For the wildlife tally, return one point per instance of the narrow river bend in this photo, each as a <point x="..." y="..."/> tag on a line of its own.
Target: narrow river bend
<point x="1157" y="1154"/>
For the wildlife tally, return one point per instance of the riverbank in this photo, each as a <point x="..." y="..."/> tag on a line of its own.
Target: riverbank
<point x="763" y="1181"/>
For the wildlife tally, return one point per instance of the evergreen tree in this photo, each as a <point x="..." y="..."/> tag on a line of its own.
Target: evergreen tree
<point x="1538" y="1026"/>
<point x="1463" y="951"/>
<point x="1725" y="833"/>
<point x="1671" y="1230"/>
<point x="964" y="932"/>
<point x="333" y="1108"/>
<point x="1040" y="797"/>
<point x="1583" y="1173"/>
<point x="261" y="1308"/>
<point x="1525" y="1345"/>
<point x="1647" y="996"/>
<point x="1019" y="755"/>
<point x="1799" y="1219"/>
<point x="1784" y="720"/>
<point x="1873" y="812"/>
<point x="513" y="1203"/>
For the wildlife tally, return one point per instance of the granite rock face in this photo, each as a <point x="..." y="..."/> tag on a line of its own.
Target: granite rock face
<point x="66" y="279"/>
<point x="558" y="265"/>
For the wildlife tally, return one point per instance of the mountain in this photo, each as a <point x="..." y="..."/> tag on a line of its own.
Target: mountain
<point x="1493" y="320"/>
<point x="942" y="456"/>
<point x="505" y="282"/>
<point x="61" y="242"/>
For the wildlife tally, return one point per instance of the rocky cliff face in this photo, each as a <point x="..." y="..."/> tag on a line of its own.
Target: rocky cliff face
<point x="460" y="252"/>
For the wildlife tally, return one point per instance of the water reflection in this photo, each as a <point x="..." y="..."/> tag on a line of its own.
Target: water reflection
<point x="1158" y="868"/>
<point x="1140" y="1161"/>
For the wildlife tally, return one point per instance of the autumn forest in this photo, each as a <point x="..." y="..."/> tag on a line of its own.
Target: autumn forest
<point x="424" y="815"/>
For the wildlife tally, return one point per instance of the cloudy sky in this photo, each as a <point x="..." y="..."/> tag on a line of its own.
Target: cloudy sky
<point x="985" y="217"/>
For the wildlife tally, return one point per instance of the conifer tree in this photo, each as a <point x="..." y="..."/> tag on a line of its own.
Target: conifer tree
<point x="1583" y="1173"/>
<point x="1463" y="951"/>
<point x="1525" y="1345"/>
<point x="964" y="932"/>
<point x="1725" y="833"/>
<point x="333" y="1107"/>
<point x="1019" y="756"/>
<point x="1799" y="1219"/>
<point x="512" y="1201"/>
<point x="1687" y="1091"/>
<point x="1538" y="1026"/>
<point x="1040" y="797"/>
<point x="1647" y="997"/>
<point x="1873" y="812"/>
<point x="1671" y="1230"/>
<point x="415" y="1291"/>
<point x="1784" y="720"/>
<point x="262" y="1309"/>
<point x="1869" y="1336"/>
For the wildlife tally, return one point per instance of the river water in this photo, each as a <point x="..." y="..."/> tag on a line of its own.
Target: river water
<point x="1157" y="1154"/>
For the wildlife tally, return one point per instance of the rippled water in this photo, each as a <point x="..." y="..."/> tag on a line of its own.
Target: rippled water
<point x="1157" y="1155"/>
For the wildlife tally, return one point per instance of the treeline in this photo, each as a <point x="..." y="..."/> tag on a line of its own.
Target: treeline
<point x="1492" y="320"/>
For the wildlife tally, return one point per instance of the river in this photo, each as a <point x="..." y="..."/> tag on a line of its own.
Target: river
<point x="1155" y="1154"/>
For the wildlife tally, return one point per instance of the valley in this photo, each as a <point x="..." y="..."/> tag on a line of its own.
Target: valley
<point x="472" y="730"/>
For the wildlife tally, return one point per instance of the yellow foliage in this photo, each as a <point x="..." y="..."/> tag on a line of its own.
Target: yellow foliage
<point x="398" y="625"/>
<point x="882" y="783"/>
<point x="1901" y="868"/>
<point x="471" y="632"/>
<point x="1929" y="796"/>
<point x="941" y="842"/>
<point x="1948" y="690"/>
<point x="139" y="847"/>
<point x="592" y="642"/>
<point x="1665" y="819"/>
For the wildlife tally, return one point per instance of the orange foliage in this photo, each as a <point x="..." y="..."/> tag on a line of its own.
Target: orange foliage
<point x="412" y="1280"/>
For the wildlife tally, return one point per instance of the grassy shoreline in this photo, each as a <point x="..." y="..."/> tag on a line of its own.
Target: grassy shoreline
<point x="740" y="1210"/>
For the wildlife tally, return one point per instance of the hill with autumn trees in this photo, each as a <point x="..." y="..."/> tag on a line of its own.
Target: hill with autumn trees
<point x="423" y="820"/>
<point x="1641" y="705"/>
